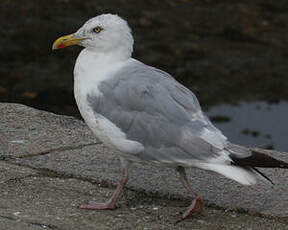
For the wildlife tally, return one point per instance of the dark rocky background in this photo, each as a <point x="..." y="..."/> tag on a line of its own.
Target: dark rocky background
<point x="225" y="51"/>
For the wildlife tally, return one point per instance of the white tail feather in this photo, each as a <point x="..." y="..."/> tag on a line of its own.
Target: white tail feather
<point x="241" y="175"/>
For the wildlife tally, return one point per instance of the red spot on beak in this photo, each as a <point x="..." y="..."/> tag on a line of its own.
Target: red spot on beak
<point x="61" y="46"/>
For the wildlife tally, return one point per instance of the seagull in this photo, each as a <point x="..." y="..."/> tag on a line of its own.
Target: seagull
<point x="145" y="115"/>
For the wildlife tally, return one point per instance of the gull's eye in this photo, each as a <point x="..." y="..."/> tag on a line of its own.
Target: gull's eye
<point x="97" y="29"/>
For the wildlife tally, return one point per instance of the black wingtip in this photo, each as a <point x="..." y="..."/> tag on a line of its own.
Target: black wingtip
<point x="258" y="159"/>
<point x="263" y="175"/>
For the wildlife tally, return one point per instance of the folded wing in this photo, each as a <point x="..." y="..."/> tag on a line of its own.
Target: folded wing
<point x="150" y="107"/>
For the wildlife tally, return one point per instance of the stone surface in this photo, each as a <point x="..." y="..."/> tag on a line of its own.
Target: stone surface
<point x="42" y="201"/>
<point x="60" y="166"/>
<point x="27" y="131"/>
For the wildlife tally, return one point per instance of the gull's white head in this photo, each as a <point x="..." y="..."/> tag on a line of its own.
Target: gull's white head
<point x="104" y="33"/>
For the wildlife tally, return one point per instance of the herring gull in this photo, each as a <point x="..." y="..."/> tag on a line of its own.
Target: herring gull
<point x="146" y="115"/>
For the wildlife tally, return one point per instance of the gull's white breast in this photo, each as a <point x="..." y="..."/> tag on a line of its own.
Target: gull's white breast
<point x="89" y="71"/>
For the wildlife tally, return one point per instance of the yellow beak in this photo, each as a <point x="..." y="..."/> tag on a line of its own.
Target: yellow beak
<point x="65" y="41"/>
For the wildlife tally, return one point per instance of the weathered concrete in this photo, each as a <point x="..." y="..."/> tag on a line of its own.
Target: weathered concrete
<point x="29" y="131"/>
<point x="51" y="164"/>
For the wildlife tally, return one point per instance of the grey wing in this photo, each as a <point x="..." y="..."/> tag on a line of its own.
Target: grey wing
<point x="150" y="107"/>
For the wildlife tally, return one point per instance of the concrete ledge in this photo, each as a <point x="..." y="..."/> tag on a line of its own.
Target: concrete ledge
<point x="41" y="150"/>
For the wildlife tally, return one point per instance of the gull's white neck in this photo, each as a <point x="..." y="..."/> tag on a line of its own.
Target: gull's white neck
<point x="90" y="58"/>
<point x="95" y="67"/>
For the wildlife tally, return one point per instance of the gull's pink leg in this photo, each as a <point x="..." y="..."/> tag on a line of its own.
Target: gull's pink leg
<point x="111" y="203"/>
<point x="197" y="204"/>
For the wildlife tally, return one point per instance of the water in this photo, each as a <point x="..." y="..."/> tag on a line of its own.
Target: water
<point x="253" y="124"/>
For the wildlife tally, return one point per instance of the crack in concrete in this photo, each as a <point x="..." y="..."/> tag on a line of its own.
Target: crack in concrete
<point x="8" y="217"/>
<point x="16" y="179"/>
<point x="46" y="226"/>
<point x="4" y="157"/>
<point x="63" y="175"/>
<point x="50" y="226"/>
<point x="56" y="150"/>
